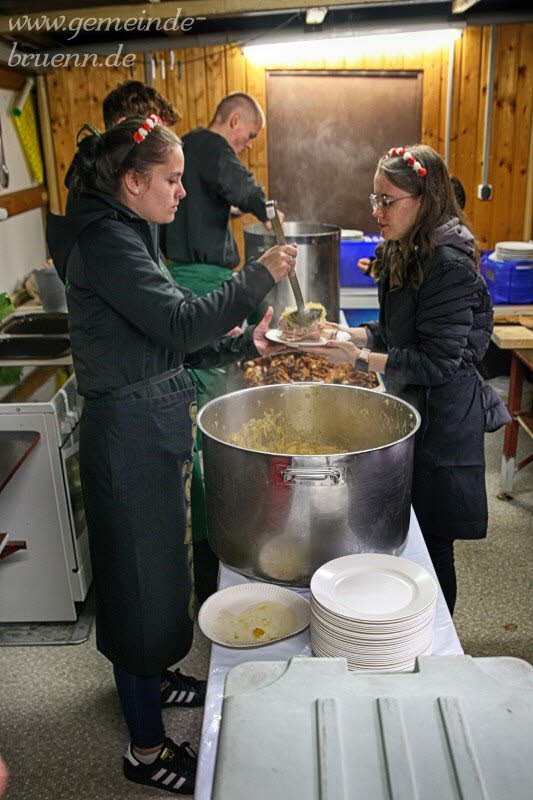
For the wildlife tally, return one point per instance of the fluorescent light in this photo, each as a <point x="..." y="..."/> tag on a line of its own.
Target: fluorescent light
<point x="316" y="15"/>
<point x="318" y="48"/>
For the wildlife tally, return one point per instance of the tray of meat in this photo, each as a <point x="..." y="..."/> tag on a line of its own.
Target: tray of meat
<point x="294" y="367"/>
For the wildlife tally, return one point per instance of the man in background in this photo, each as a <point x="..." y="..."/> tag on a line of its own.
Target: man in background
<point x="201" y="249"/>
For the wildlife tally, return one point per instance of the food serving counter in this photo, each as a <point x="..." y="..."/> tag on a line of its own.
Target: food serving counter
<point x="224" y="658"/>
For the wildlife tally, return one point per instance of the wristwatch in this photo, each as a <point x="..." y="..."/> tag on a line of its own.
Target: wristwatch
<point x="361" y="362"/>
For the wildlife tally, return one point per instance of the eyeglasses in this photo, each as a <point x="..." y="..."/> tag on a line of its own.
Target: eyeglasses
<point x="384" y="203"/>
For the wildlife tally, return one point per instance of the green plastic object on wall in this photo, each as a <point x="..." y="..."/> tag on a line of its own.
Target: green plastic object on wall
<point x="8" y="375"/>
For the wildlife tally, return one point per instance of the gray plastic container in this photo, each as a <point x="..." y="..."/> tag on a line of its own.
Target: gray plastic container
<point x="456" y="728"/>
<point x="51" y="289"/>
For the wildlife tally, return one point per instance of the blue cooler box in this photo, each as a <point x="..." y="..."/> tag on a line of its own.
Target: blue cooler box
<point x="351" y="250"/>
<point x="508" y="281"/>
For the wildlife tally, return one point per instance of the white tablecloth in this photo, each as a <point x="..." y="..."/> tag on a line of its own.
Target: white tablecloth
<point x="224" y="658"/>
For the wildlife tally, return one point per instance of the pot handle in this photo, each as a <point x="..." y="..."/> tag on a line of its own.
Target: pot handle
<point x="329" y="475"/>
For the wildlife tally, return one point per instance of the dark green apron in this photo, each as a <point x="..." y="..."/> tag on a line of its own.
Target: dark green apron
<point x="202" y="279"/>
<point x="136" y="468"/>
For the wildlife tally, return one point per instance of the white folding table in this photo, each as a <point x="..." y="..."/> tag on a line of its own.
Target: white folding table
<point x="223" y="659"/>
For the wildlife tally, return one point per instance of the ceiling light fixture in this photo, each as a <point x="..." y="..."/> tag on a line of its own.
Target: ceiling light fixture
<point x="323" y="46"/>
<point x="315" y="15"/>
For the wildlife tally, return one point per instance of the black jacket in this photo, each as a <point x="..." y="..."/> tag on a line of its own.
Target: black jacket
<point x="128" y="320"/>
<point x="432" y="332"/>
<point x="435" y="336"/>
<point x="215" y="179"/>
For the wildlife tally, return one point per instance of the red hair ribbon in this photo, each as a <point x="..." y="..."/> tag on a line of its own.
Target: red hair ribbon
<point x="148" y="125"/>
<point x="409" y="158"/>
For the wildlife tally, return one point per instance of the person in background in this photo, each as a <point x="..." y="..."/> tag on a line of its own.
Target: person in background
<point x="434" y="327"/>
<point x="131" y="98"/>
<point x="199" y="243"/>
<point x="366" y="264"/>
<point x="202" y="253"/>
<point x="132" y="330"/>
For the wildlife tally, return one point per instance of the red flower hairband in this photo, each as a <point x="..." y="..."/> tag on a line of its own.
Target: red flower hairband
<point x="409" y="158"/>
<point x="148" y="125"/>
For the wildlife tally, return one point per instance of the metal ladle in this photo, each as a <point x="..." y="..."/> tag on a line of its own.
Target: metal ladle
<point x="303" y="317"/>
<point x="4" y="172"/>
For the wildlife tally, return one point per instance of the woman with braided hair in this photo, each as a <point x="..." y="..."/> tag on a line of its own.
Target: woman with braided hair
<point x="132" y="331"/>
<point x="434" y="327"/>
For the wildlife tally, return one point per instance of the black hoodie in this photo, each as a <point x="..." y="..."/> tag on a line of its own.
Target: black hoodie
<point x="215" y="179"/>
<point x="128" y="320"/>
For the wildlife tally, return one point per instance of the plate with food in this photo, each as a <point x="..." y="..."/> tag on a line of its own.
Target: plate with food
<point x="253" y="614"/>
<point x="279" y="336"/>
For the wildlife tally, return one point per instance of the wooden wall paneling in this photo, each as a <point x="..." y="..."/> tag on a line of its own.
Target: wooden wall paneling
<point x="80" y="102"/>
<point x="480" y="211"/>
<point x="431" y="98"/>
<point x="255" y="85"/>
<point x="169" y="85"/>
<point x="466" y="140"/>
<point x="58" y="101"/>
<point x="504" y="129"/>
<point x="137" y="71"/>
<point x="196" y="87"/>
<point x="236" y="80"/>
<point x="177" y="90"/>
<point x="523" y="123"/>
<point x="444" y="58"/>
<point x="215" y="70"/>
<point x="96" y="96"/>
<point x="456" y="111"/>
<point x="160" y="59"/>
<point x="235" y="64"/>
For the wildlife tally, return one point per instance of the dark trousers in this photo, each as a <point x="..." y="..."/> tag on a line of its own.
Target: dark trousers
<point x="140" y="698"/>
<point x="441" y="551"/>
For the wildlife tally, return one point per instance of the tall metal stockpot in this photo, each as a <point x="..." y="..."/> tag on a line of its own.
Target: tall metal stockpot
<point x="279" y="517"/>
<point x="317" y="263"/>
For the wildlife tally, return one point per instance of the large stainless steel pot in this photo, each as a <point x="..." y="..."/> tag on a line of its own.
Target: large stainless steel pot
<point x="279" y="517"/>
<point x="317" y="263"/>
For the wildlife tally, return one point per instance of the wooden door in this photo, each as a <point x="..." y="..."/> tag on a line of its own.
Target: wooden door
<point x="326" y="132"/>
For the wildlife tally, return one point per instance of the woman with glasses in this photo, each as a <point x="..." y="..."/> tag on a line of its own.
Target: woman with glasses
<point x="434" y="327"/>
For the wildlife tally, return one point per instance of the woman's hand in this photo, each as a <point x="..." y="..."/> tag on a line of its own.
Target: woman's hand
<point x="279" y="260"/>
<point x="337" y="352"/>
<point x="358" y="336"/>
<point x="263" y="345"/>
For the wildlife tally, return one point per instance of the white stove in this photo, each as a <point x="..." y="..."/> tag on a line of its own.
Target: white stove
<point x="43" y="505"/>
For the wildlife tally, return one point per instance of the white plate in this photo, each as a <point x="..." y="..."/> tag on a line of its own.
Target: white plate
<point x="231" y="616"/>
<point x="275" y="335"/>
<point x="375" y="627"/>
<point x="373" y="587"/>
<point x="509" y="246"/>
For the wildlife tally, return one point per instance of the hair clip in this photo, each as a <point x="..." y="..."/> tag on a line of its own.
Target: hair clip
<point x="408" y="157"/>
<point x="148" y="125"/>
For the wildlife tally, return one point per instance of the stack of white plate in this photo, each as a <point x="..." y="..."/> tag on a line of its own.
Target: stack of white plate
<point x="375" y="610"/>
<point x="514" y="251"/>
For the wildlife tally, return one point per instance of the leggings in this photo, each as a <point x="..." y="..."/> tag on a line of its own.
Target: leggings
<point x="140" y="699"/>
<point x="441" y="552"/>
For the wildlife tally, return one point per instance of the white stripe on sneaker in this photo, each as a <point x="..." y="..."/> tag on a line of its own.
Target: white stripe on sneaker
<point x="179" y="783"/>
<point x="171" y="696"/>
<point x="159" y="774"/>
<point x="181" y="696"/>
<point x="189" y="697"/>
<point x="131" y="758"/>
<point x="169" y="778"/>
